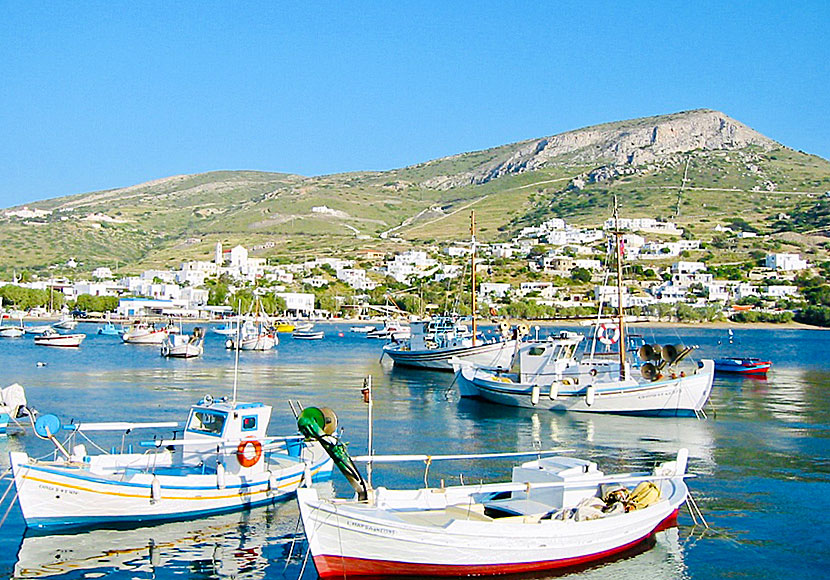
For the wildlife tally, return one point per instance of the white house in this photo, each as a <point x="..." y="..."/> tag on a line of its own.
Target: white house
<point x="494" y="289"/>
<point x="786" y="262"/>
<point x="102" y="273"/>
<point x="298" y="302"/>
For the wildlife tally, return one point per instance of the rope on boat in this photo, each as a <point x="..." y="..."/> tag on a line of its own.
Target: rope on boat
<point x="694" y="510"/>
<point x="293" y="543"/>
<point x="449" y="389"/>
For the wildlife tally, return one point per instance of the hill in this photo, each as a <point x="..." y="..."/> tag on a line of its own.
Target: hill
<point x="699" y="168"/>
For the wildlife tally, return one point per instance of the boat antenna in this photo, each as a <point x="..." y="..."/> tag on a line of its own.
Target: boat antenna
<point x="618" y="249"/>
<point x="236" y="349"/>
<point x="473" y="272"/>
<point x="368" y="398"/>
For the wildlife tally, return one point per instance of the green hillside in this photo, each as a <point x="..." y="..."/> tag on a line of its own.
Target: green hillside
<point x="772" y="189"/>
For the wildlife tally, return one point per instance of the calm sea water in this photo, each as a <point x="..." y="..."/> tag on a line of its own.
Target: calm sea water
<point x="762" y="459"/>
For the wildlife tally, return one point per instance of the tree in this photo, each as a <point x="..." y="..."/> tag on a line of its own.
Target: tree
<point x="582" y="275"/>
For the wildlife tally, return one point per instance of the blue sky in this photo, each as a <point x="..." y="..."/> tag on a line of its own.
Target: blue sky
<point x="98" y="95"/>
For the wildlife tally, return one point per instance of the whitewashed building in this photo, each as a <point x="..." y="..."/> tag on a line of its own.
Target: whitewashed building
<point x="786" y="262"/>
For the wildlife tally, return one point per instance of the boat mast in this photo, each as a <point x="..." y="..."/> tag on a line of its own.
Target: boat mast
<point x="620" y="309"/>
<point x="473" y="270"/>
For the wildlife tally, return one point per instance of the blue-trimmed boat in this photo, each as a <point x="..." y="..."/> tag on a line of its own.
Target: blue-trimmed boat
<point x="742" y="366"/>
<point x="223" y="462"/>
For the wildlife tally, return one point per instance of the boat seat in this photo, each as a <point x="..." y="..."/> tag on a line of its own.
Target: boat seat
<point x="515" y="507"/>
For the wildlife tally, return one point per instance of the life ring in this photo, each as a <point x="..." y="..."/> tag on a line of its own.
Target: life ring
<point x="493" y="311"/>
<point x="241" y="456"/>
<point x="608" y="334"/>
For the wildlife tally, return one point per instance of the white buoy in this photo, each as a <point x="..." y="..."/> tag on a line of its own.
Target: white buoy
<point x="534" y="395"/>
<point x="155" y="489"/>
<point x="554" y="391"/>
<point x="220" y="476"/>
<point x="589" y="395"/>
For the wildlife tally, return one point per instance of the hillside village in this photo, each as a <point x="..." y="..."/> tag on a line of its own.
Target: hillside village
<point x="564" y="267"/>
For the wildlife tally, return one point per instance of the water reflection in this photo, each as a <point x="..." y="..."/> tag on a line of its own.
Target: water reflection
<point x="241" y="545"/>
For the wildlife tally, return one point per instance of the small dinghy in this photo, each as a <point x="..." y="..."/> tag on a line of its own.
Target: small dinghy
<point x="742" y="366"/>
<point x="225" y="461"/>
<point x="555" y="512"/>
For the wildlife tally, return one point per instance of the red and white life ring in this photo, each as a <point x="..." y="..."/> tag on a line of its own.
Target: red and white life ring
<point x="242" y="455"/>
<point x="608" y="334"/>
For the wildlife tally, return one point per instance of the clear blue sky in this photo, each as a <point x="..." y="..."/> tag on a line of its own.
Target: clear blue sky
<point x="98" y="95"/>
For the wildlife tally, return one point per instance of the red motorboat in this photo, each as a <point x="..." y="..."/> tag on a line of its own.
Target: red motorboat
<point x="742" y="366"/>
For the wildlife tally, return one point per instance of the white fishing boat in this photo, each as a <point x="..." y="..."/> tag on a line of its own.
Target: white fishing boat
<point x="145" y="333"/>
<point x="184" y="346"/>
<point x="66" y="323"/>
<point x="307" y="332"/>
<point x="37" y="329"/>
<point x="435" y="342"/>
<point x="659" y="380"/>
<point x="52" y="337"/>
<point x="12" y="405"/>
<point x="256" y="332"/>
<point x="362" y="329"/>
<point x="225" y="461"/>
<point x="9" y="331"/>
<point x="554" y="512"/>
<point x="390" y="331"/>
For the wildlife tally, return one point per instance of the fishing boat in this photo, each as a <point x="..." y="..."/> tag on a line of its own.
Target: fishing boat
<point x="66" y="323"/>
<point x="554" y="512"/>
<point x="307" y="332"/>
<point x="226" y="329"/>
<point x="435" y="342"/>
<point x="390" y="331"/>
<point x="255" y="333"/>
<point x="362" y="329"/>
<point x="12" y="405"/>
<point x="742" y="366"/>
<point x="37" y="329"/>
<point x="184" y="346"/>
<point x="224" y="462"/>
<point x="253" y="337"/>
<point x="285" y="326"/>
<point x="658" y="381"/>
<point x="145" y="333"/>
<point x="52" y="337"/>
<point x="109" y="329"/>
<point x="9" y="331"/>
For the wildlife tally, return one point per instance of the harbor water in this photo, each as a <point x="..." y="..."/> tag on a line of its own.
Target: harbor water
<point x="761" y="459"/>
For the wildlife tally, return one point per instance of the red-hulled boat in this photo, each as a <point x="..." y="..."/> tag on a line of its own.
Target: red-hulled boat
<point x="742" y="366"/>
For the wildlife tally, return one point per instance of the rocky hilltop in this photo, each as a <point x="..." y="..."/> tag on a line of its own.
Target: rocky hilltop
<point x="630" y="143"/>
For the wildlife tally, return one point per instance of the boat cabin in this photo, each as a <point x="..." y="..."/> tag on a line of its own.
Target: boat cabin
<point x="438" y="332"/>
<point x="229" y="424"/>
<point x="547" y="358"/>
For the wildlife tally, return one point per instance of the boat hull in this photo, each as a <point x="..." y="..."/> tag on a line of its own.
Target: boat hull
<point x="61" y="340"/>
<point x="11" y="332"/>
<point x="347" y="543"/>
<point x="54" y="496"/>
<point x="156" y="337"/>
<point x="678" y="397"/>
<point x="493" y="355"/>
<point x="742" y="366"/>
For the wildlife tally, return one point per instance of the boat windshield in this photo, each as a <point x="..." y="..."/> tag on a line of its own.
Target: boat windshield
<point x="206" y="422"/>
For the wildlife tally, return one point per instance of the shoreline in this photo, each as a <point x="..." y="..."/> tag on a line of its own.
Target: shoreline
<point x="513" y="322"/>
